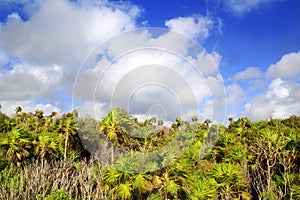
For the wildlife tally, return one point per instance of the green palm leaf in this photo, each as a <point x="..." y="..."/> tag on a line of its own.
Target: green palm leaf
<point x="124" y="190"/>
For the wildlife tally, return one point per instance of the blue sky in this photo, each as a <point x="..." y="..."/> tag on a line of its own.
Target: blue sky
<point x="255" y="45"/>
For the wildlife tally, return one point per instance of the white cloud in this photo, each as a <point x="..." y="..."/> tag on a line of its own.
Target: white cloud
<point x="241" y="7"/>
<point x="274" y="93"/>
<point x="278" y="90"/>
<point x="39" y="56"/>
<point x="60" y="32"/>
<point x="249" y="73"/>
<point x="234" y="94"/>
<point x="280" y="101"/>
<point x="257" y="84"/>
<point x="287" y="67"/>
<point x="25" y="81"/>
<point x="194" y="27"/>
<point x="13" y="16"/>
<point x="8" y="107"/>
<point x="208" y="63"/>
<point x="151" y="76"/>
<point x="53" y="41"/>
<point x="93" y="109"/>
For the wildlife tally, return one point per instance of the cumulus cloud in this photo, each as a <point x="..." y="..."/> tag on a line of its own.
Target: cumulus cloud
<point x="235" y="99"/>
<point x="249" y="73"/>
<point x="234" y="93"/>
<point x="280" y="101"/>
<point x="287" y="67"/>
<point x="40" y="57"/>
<point x="241" y="7"/>
<point x="27" y="81"/>
<point x="194" y="27"/>
<point x="29" y="105"/>
<point x="60" y="32"/>
<point x="142" y="78"/>
<point x="273" y="93"/>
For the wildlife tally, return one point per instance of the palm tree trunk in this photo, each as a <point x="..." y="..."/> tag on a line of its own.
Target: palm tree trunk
<point x="66" y="145"/>
<point x="112" y="154"/>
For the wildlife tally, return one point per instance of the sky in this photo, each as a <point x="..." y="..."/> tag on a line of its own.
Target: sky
<point x="213" y="59"/>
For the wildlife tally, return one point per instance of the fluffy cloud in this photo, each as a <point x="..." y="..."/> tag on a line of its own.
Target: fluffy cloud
<point x="249" y="73"/>
<point x="287" y="67"/>
<point x="40" y="55"/>
<point x="274" y="93"/>
<point x="280" y="101"/>
<point x="241" y="7"/>
<point x="194" y="27"/>
<point x="142" y="78"/>
<point x="61" y="32"/>
<point x="27" y="81"/>
<point x="9" y="107"/>
<point x="234" y="93"/>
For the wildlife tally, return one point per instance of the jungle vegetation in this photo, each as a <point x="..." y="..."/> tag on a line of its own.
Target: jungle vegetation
<point x="60" y="157"/>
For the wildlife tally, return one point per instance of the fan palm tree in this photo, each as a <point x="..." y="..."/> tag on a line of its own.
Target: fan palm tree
<point x="46" y="144"/>
<point x="69" y="129"/>
<point x="17" y="144"/>
<point x="39" y="113"/>
<point x="179" y="121"/>
<point x="207" y="122"/>
<point x="117" y="182"/>
<point x="231" y="180"/>
<point x="203" y="188"/>
<point x="116" y="126"/>
<point x="123" y="191"/>
<point x="160" y="122"/>
<point x="141" y="183"/>
<point x="18" y="109"/>
<point x="194" y="118"/>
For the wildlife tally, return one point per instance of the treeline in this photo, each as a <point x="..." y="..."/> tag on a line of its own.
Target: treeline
<point x="67" y="157"/>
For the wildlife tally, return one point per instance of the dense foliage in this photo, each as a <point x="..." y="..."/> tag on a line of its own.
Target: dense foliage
<point x="48" y="157"/>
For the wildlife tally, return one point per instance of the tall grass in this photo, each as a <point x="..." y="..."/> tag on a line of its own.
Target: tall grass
<point x="53" y="180"/>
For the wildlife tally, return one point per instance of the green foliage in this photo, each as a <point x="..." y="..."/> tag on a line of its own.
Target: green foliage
<point x="204" y="188"/>
<point x="248" y="161"/>
<point x="57" y="195"/>
<point x="123" y="191"/>
<point x="17" y="144"/>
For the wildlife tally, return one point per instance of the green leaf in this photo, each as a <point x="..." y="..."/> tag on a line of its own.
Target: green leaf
<point x="124" y="190"/>
<point x="172" y="187"/>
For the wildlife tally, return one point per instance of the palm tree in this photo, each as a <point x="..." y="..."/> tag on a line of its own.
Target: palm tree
<point x="160" y="122"/>
<point x="179" y="121"/>
<point x="147" y="122"/>
<point x="18" y="109"/>
<point x="17" y="144"/>
<point x="5" y="123"/>
<point x="123" y="191"/>
<point x="141" y="183"/>
<point x="203" y="188"/>
<point x="153" y="120"/>
<point x="39" y="113"/>
<point x="167" y="183"/>
<point x="207" y="122"/>
<point x="68" y="127"/>
<point x="194" y="118"/>
<point x="231" y="180"/>
<point x="53" y="114"/>
<point x="116" y="126"/>
<point x="118" y="183"/>
<point x="46" y="144"/>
